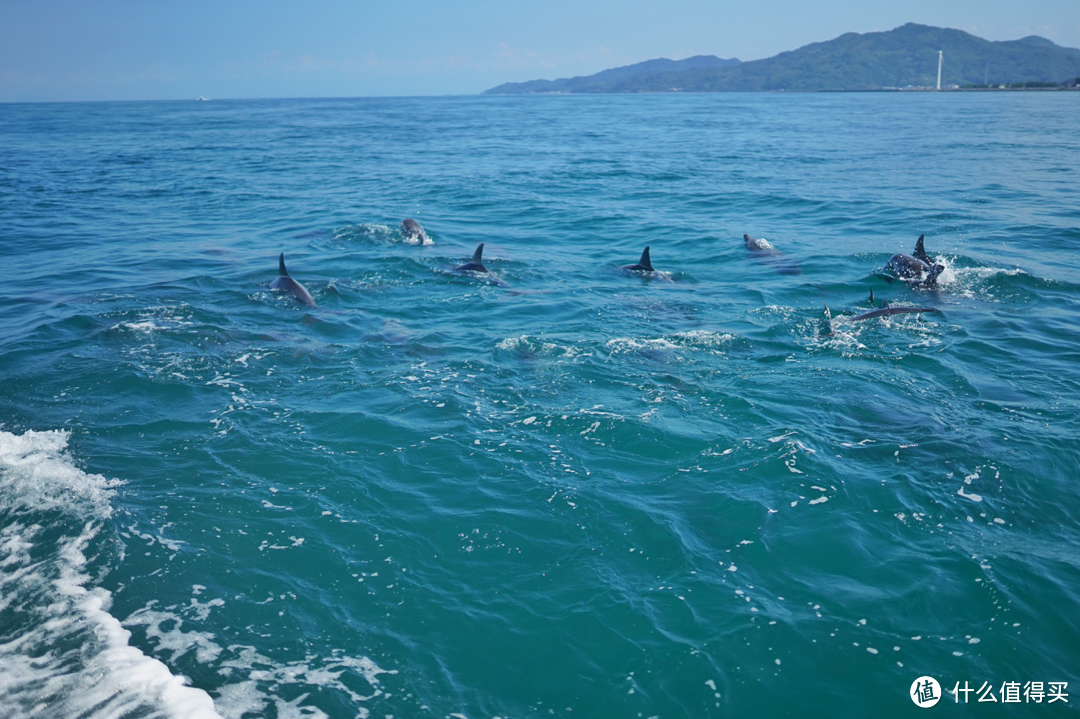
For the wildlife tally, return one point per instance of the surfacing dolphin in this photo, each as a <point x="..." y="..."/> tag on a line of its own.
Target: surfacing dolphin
<point x="643" y="265"/>
<point x="413" y="232"/>
<point x="918" y="270"/>
<point x="285" y="283"/>
<point x="767" y="254"/>
<point x="476" y="264"/>
<point x="882" y="311"/>
<point x="887" y="309"/>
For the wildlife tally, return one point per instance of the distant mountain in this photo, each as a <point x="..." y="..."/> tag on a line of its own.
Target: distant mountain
<point x="604" y="81"/>
<point x="904" y="57"/>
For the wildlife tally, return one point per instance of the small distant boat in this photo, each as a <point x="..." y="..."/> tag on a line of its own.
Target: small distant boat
<point x="202" y="99"/>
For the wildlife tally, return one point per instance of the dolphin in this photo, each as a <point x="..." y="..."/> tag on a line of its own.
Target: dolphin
<point x="882" y="311"/>
<point x="886" y="310"/>
<point x="759" y="244"/>
<point x="643" y="265"/>
<point x="412" y="231"/>
<point x="765" y="252"/>
<point x="285" y="283"/>
<point x="918" y="270"/>
<point x="476" y="264"/>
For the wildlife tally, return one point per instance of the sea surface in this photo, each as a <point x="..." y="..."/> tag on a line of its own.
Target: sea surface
<point x="561" y="489"/>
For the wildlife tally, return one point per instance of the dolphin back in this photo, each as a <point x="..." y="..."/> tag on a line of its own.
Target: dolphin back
<point x="884" y="311"/>
<point x="476" y="264"/>
<point x="285" y="283"/>
<point x="643" y="265"/>
<point x="920" y="251"/>
<point x="294" y="288"/>
<point x="918" y="268"/>
<point x="759" y="244"/>
<point x="645" y="262"/>
<point x="906" y="266"/>
<point x="411" y="229"/>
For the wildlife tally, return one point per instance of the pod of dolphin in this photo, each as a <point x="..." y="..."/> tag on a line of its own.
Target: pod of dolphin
<point x="916" y="270"/>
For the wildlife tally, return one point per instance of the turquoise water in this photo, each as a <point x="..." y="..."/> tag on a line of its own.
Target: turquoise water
<point x="584" y="493"/>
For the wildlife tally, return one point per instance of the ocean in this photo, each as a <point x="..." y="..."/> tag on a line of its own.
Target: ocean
<point x="561" y="489"/>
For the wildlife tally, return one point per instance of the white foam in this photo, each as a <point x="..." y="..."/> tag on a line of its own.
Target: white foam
<point x="71" y="656"/>
<point x="630" y="344"/>
<point x="245" y="696"/>
<point x="34" y="474"/>
<point x="704" y="338"/>
<point x="972" y="497"/>
<point x="174" y="640"/>
<point x="147" y="326"/>
<point x="527" y="343"/>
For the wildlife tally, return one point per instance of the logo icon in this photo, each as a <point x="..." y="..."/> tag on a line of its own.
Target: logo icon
<point x="925" y="692"/>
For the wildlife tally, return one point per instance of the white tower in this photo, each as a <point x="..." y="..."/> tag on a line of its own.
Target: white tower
<point x="939" y="69"/>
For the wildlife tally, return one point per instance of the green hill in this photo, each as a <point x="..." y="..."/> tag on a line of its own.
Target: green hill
<point x="602" y="81"/>
<point x="904" y="57"/>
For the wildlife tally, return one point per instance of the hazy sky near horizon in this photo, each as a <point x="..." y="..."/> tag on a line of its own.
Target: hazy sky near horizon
<point x="59" y="50"/>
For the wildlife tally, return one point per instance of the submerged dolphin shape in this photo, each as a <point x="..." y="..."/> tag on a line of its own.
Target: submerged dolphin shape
<point x="766" y="253"/>
<point x="918" y="270"/>
<point x="476" y="264"/>
<point x="412" y="230"/>
<point x="285" y="283"/>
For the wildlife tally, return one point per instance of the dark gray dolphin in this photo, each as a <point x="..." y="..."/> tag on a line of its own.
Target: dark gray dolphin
<point x="412" y="231"/>
<point x="918" y="270"/>
<point x="882" y="311"/>
<point x="476" y="264"/>
<point x="285" y="283"/>
<point x="767" y="254"/>
<point x="886" y="310"/>
<point x="643" y="265"/>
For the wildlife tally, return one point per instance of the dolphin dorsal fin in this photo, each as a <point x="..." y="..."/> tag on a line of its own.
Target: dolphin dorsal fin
<point x="281" y="266"/>
<point x="871" y="298"/>
<point x="828" y="313"/>
<point x="476" y="258"/>
<point x="920" y="251"/>
<point x="645" y="261"/>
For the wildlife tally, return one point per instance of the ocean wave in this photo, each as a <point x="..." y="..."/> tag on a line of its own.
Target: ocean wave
<point x="693" y="339"/>
<point x="527" y="345"/>
<point x="64" y="654"/>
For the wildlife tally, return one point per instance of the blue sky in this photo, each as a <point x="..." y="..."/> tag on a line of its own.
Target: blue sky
<point x="58" y="50"/>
